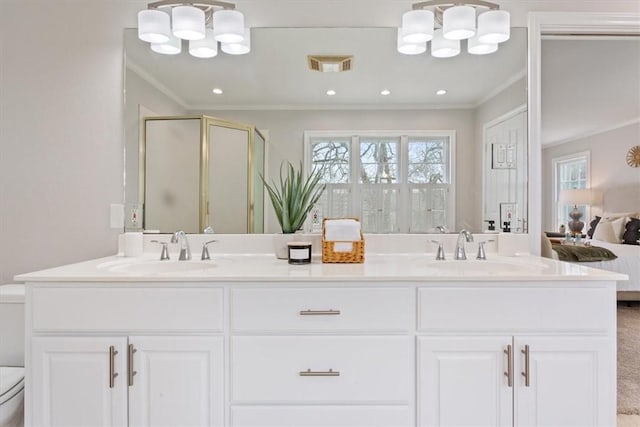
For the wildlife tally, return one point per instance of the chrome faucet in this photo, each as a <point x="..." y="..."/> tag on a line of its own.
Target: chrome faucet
<point x="181" y="238"/>
<point x="459" y="252"/>
<point x="441" y="229"/>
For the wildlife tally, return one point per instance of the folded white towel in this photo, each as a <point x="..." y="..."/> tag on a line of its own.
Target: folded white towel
<point x="342" y="230"/>
<point x="342" y="247"/>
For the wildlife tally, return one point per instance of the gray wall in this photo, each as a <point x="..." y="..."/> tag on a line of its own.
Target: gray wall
<point x="608" y="165"/>
<point x="61" y="161"/>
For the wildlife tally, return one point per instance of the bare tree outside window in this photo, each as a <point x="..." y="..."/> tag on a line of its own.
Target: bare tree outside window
<point x="332" y="157"/>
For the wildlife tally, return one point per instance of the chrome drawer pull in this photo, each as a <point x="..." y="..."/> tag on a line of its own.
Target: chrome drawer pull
<point x="319" y="312"/>
<point x="509" y="373"/>
<point x="527" y="368"/>
<point x="112" y="366"/>
<point x="310" y="373"/>
<point x="131" y="371"/>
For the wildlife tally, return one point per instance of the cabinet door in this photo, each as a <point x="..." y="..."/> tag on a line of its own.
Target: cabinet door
<point x="79" y="382"/>
<point x="462" y="381"/>
<point x="178" y="381"/>
<point x="571" y="381"/>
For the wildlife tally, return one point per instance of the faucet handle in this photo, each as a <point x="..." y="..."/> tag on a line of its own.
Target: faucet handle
<point x="481" y="252"/>
<point x="440" y="254"/>
<point x="205" y="250"/>
<point x="164" y="255"/>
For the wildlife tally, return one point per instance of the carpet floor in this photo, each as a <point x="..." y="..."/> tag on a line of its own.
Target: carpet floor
<point x="628" y="359"/>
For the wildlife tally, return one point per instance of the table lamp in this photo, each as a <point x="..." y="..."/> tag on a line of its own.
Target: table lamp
<point x="575" y="197"/>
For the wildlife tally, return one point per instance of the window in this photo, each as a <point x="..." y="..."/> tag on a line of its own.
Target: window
<point x="395" y="182"/>
<point x="571" y="172"/>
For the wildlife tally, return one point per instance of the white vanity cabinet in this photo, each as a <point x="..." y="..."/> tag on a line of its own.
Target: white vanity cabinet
<point x="124" y="360"/>
<point x="530" y="355"/>
<point x="322" y="352"/>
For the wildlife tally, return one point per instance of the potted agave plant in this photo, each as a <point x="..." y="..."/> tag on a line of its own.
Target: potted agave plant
<point x="292" y="198"/>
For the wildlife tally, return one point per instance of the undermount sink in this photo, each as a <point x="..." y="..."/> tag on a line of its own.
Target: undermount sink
<point x="482" y="267"/>
<point x="158" y="267"/>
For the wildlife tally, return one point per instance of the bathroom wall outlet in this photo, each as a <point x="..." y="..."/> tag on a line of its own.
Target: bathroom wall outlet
<point x="133" y="217"/>
<point x="116" y="215"/>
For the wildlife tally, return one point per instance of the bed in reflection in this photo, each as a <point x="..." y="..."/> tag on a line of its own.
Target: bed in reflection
<point x="617" y="232"/>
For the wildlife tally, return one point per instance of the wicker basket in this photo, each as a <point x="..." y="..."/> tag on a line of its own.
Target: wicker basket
<point x="355" y="256"/>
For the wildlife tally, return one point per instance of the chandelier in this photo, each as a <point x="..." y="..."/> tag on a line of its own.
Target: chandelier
<point x="446" y="23"/>
<point x="203" y="23"/>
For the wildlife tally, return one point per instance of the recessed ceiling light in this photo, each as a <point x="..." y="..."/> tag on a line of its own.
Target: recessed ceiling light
<point x="441" y="92"/>
<point x="385" y="92"/>
<point x="217" y="91"/>
<point x="331" y="92"/>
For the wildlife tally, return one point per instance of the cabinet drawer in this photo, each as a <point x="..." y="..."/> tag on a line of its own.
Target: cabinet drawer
<point x="515" y="310"/>
<point x="321" y="369"/>
<point x="127" y="309"/>
<point x="331" y="309"/>
<point x="326" y="416"/>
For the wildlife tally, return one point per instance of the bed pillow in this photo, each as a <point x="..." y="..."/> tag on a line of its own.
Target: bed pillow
<point x="592" y="226"/>
<point x="610" y="230"/>
<point x="615" y="215"/>
<point x="631" y="234"/>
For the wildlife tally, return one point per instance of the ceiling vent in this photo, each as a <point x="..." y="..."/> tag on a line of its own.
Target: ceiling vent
<point x="330" y="64"/>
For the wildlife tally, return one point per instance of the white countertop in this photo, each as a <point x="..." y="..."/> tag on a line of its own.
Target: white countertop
<point x="265" y="267"/>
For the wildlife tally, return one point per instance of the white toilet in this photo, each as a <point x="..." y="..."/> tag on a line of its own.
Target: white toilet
<point x="11" y="356"/>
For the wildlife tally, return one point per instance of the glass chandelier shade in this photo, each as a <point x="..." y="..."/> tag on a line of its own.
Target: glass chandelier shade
<point x="494" y="26"/>
<point x="459" y="22"/>
<point x="154" y="26"/>
<point x="417" y="26"/>
<point x="188" y="22"/>
<point x="477" y="47"/>
<point x="239" y="48"/>
<point x="407" y="48"/>
<point x="172" y="47"/>
<point x="165" y="23"/>
<point x="228" y="26"/>
<point x="444" y="48"/>
<point x="204" y="48"/>
<point x="481" y="23"/>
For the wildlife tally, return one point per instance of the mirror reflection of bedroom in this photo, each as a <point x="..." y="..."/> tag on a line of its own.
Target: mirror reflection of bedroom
<point x="591" y="154"/>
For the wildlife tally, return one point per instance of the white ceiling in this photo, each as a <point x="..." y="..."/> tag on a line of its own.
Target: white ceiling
<point x="275" y="73"/>
<point x="589" y="86"/>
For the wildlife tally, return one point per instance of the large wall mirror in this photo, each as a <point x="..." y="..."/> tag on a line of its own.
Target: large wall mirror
<point x="273" y="89"/>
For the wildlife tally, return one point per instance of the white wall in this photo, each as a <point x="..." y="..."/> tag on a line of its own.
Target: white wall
<point x="608" y="165"/>
<point x="61" y="162"/>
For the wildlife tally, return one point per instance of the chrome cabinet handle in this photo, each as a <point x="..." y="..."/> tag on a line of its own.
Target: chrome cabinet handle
<point x="310" y="373"/>
<point x="509" y="374"/>
<point x="130" y="363"/>
<point x="319" y="312"/>
<point x="527" y="372"/>
<point x="112" y="367"/>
